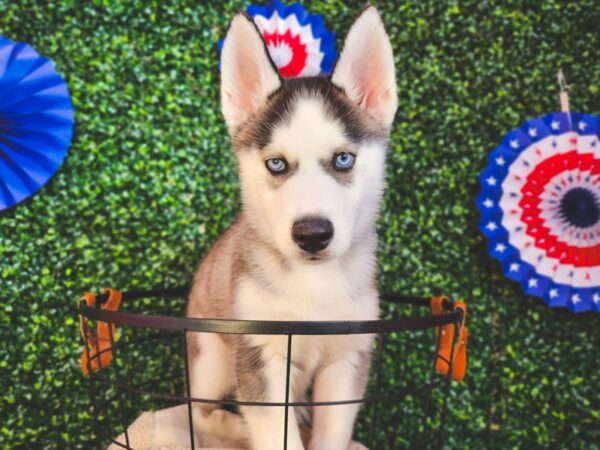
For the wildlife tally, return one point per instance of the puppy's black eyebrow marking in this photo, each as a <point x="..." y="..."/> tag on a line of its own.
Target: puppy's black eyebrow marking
<point x="358" y="127"/>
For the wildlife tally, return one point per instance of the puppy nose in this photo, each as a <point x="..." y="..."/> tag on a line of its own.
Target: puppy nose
<point x="312" y="233"/>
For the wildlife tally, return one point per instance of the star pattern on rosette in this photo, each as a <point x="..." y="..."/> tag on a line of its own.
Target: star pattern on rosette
<point x="540" y="208"/>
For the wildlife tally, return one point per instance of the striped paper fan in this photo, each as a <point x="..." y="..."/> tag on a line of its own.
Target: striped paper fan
<point x="298" y="42"/>
<point x="36" y="121"/>
<point x="540" y="208"/>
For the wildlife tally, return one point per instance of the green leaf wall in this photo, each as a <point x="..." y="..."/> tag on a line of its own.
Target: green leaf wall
<point x="150" y="182"/>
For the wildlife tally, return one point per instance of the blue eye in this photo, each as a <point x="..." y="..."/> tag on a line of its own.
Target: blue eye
<point x="344" y="161"/>
<point x="276" y="166"/>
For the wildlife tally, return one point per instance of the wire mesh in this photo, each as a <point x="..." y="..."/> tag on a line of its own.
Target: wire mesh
<point x="405" y="404"/>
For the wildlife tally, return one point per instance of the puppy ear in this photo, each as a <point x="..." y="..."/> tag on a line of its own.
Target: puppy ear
<point x="248" y="75"/>
<point x="365" y="68"/>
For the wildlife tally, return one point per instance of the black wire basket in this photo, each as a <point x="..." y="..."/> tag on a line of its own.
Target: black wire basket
<point x="406" y="401"/>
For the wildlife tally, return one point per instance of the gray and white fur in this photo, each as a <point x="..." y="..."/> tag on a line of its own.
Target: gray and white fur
<point x="303" y="246"/>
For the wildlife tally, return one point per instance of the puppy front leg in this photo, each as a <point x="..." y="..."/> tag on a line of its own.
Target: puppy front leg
<point x="263" y="378"/>
<point x="341" y="380"/>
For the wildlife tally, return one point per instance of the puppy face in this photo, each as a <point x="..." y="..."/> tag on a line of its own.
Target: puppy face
<point x="311" y="170"/>
<point x="311" y="151"/>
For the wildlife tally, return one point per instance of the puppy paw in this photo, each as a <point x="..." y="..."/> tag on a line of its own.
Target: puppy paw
<point x="227" y="424"/>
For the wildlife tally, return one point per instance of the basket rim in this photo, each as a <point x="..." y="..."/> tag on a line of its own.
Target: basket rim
<point x="268" y="327"/>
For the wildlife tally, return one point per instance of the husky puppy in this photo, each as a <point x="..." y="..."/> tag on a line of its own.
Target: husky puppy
<point x="311" y="154"/>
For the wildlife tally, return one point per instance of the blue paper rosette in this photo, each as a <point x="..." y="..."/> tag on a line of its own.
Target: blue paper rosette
<point x="540" y="208"/>
<point x="36" y="121"/>
<point x="297" y="41"/>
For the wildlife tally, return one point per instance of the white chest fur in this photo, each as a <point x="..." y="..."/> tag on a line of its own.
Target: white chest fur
<point x="324" y="292"/>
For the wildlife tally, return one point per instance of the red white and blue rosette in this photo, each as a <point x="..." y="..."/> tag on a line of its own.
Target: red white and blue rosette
<point x="36" y="121"/>
<point x="540" y="208"/>
<point x="298" y="42"/>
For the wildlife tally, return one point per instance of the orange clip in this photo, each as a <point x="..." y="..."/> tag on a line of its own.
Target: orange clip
<point x="446" y="355"/>
<point x="98" y="346"/>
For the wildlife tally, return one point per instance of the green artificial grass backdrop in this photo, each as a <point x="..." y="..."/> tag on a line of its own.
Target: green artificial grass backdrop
<point x="150" y="182"/>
